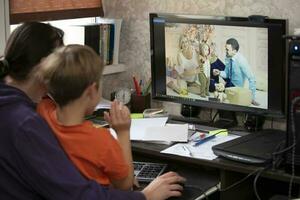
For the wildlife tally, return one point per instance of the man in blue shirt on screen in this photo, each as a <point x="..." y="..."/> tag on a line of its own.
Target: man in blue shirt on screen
<point x="237" y="69"/>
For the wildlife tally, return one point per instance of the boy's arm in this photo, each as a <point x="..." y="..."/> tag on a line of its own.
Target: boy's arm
<point x="48" y="171"/>
<point x="127" y="182"/>
<point x="119" y="119"/>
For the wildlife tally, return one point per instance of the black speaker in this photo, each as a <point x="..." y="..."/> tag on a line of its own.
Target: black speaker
<point x="189" y="111"/>
<point x="293" y="102"/>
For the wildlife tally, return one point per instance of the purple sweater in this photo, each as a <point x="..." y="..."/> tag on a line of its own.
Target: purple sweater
<point x="32" y="163"/>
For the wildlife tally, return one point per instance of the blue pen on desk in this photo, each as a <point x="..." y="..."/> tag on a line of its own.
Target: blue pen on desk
<point x="210" y="137"/>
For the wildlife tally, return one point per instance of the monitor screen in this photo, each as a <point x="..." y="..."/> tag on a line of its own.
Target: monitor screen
<point x="225" y="63"/>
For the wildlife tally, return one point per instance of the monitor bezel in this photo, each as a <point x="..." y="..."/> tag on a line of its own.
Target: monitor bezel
<point x="278" y="112"/>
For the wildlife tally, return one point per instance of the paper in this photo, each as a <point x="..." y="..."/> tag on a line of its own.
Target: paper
<point x="103" y="104"/>
<point x="173" y="133"/>
<point x="203" y="151"/>
<point x="139" y="126"/>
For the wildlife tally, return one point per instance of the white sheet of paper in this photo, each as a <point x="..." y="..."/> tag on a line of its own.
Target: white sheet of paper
<point x="103" y="104"/>
<point x="139" y="126"/>
<point x="203" y="151"/>
<point x="170" y="133"/>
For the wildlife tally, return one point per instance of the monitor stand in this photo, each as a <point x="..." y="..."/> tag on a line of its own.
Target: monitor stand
<point x="227" y="119"/>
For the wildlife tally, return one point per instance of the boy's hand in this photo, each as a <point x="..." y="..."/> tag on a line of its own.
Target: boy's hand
<point x="118" y="117"/>
<point x="164" y="186"/>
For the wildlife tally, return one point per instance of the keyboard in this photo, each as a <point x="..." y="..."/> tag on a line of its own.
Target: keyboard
<point x="147" y="171"/>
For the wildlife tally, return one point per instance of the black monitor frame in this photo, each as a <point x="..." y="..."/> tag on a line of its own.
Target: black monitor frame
<point x="276" y="58"/>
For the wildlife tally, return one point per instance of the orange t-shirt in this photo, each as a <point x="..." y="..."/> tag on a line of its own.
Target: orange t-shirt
<point x="95" y="152"/>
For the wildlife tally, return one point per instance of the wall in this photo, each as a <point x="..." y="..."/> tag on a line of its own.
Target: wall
<point x="135" y="38"/>
<point x="4" y="24"/>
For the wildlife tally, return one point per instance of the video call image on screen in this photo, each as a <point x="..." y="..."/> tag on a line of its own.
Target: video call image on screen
<point x="226" y="64"/>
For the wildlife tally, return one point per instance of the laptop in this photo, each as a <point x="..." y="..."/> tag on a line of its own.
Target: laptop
<point x="254" y="148"/>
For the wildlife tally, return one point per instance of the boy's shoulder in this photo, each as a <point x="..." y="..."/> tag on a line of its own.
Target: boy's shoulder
<point x="98" y="129"/>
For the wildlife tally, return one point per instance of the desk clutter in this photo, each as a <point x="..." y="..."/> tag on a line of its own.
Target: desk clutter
<point x="194" y="149"/>
<point x="151" y="126"/>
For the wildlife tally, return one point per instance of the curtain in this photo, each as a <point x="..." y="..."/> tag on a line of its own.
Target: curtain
<point x="45" y="10"/>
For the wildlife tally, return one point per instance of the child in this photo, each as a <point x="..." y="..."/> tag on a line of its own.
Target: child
<point x="72" y="75"/>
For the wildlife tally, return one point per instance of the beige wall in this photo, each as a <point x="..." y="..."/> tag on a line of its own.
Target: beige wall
<point x="135" y="38"/>
<point x="4" y="24"/>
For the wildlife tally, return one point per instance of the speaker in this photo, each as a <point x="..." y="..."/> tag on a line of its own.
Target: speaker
<point x="189" y="111"/>
<point x="293" y="104"/>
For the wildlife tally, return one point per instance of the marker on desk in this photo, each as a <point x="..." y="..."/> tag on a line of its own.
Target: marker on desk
<point x="207" y="138"/>
<point x="201" y="141"/>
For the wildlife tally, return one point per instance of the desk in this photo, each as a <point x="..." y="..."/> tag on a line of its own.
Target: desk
<point x="271" y="182"/>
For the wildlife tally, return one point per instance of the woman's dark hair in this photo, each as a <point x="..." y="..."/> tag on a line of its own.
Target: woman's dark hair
<point x="26" y="46"/>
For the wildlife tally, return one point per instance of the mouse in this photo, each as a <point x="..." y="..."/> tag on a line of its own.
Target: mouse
<point x="182" y="192"/>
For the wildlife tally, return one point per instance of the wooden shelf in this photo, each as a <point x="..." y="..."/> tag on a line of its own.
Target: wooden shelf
<point x="114" y="68"/>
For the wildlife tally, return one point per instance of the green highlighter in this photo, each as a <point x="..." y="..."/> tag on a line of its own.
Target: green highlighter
<point x="136" y="115"/>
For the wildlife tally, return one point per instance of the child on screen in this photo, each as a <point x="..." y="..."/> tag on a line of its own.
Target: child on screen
<point x="72" y="75"/>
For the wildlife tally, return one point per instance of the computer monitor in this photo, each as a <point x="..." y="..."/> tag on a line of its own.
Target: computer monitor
<point x="225" y="63"/>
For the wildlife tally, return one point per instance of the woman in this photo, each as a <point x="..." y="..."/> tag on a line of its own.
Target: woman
<point x="32" y="164"/>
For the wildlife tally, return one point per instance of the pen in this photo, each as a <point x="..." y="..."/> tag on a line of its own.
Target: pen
<point x="185" y="148"/>
<point x="147" y="87"/>
<point x="156" y="112"/>
<point x="201" y="141"/>
<point x="141" y="86"/>
<point x="193" y="128"/>
<point x="141" y="83"/>
<point x="210" y="137"/>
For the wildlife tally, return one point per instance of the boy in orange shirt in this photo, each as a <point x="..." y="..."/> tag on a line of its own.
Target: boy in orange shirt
<point x="72" y="76"/>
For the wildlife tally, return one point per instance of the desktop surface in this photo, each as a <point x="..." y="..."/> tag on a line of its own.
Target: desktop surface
<point x="198" y="179"/>
<point x="220" y="170"/>
<point x="152" y="151"/>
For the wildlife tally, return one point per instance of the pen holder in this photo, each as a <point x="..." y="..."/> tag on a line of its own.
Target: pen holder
<point x="140" y="102"/>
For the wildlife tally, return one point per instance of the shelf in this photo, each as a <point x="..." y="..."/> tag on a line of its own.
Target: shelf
<point x="114" y="68"/>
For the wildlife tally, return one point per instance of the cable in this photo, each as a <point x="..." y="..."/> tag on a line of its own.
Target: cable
<point x="294" y="101"/>
<point x="215" y="115"/>
<point x="256" y="124"/>
<point x="284" y="150"/>
<point x="255" y="182"/>
<point x="276" y="161"/>
<point x="240" y="181"/>
<point x="195" y="187"/>
<point x="272" y="123"/>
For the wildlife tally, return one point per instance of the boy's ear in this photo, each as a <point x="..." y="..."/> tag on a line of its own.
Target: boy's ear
<point x="92" y="90"/>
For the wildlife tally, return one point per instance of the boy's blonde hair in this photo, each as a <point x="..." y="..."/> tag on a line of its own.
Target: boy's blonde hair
<point x="69" y="70"/>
